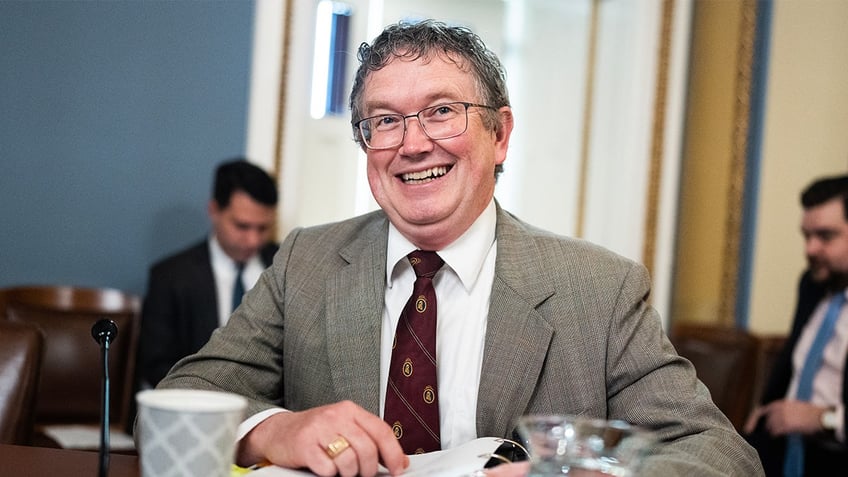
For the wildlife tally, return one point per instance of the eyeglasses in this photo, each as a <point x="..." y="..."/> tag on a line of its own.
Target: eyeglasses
<point x="443" y="121"/>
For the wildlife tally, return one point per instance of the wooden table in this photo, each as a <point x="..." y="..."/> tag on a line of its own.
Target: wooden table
<point x="24" y="461"/>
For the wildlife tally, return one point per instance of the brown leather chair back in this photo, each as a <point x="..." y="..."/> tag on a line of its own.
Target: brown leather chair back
<point x="768" y="348"/>
<point x="71" y="376"/>
<point x="725" y="360"/>
<point x="21" y="352"/>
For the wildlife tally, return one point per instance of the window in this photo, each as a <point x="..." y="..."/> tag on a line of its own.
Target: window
<point x="329" y="68"/>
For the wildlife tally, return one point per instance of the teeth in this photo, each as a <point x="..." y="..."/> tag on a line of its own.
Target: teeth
<point x="424" y="176"/>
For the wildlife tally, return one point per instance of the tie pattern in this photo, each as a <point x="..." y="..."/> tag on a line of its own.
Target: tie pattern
<point x="412" y="403"/>
<point x="238" y="286"/>
<point x="793" y="466"/>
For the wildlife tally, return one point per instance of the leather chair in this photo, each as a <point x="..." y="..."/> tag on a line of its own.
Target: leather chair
<point x="72" y="371"/>
<point x="21" y="352"/>
<point x="768" y="348"/>
<point x="725" y="360"/>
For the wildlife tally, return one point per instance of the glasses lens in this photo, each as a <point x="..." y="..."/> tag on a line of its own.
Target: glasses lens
<point x="382" y="131"/>
<point x="444" y="121"/>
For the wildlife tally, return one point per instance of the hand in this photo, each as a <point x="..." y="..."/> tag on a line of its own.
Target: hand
<point x="299" y="440"/>
<point x="788" y="416"/>
<point x="753" y="418"/>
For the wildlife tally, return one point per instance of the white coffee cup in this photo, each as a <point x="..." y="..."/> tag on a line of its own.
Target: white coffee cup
<point x="188" y="432"/>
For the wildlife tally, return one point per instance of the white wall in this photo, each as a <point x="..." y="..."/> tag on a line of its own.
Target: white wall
<point x="804" y="138"/>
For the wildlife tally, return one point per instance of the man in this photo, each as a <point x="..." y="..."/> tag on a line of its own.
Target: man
<point x="191" y="293"/>
<point x="527" y="322"/>
<point x="800" y="428"/>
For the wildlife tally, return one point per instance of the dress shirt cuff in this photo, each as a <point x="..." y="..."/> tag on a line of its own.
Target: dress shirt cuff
<point x="248" y="424"/>
<point x="839" y="431"/>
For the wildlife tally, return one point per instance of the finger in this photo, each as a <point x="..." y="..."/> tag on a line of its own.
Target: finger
<point x="751" y="423"/>
<point x="337" y="446"/>
<point x="324" y="456"/>
<point x="365" y="450"/>
<point x="387" y="446"/>
<point x="371" y="438"/>
<point x="775" y="424"/>
<point x="355" y="455"/>
<point x="346" y="462"/>
<point x="319" y="463"/>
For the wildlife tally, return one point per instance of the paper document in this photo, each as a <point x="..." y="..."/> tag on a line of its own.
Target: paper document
<point x="74" y="436"/>
<point x="457" y="462"/>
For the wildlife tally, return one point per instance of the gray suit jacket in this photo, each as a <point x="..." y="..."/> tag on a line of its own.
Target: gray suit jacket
<point x="569" y="331"/>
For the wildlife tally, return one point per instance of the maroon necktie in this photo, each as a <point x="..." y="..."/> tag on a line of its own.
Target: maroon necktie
<point x="412" y="403"/>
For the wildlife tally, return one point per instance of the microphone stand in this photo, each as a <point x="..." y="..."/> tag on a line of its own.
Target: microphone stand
<point x="104" y="331"/>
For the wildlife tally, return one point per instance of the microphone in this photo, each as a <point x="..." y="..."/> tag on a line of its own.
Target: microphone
<point x="104" y="332"/>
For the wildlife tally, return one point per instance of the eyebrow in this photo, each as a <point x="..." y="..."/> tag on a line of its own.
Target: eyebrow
<point x="819" y="230"/>
<point x="432" y="99"/>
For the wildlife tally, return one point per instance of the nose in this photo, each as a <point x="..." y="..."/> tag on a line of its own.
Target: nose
<point x="254" y="238"/>
<point x="415" y="140"/>
<point x="811" y="246"/>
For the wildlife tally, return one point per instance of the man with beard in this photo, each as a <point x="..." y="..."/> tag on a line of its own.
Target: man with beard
<point x="800" y="427"/>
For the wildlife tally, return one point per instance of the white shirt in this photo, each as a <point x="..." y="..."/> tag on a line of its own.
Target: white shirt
<point x="827" y="383"/>
<point x="463" y="286"/>
<point x="225" y="269"/>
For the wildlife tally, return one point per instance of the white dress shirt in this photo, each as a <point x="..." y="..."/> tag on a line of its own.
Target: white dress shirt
<point x="225" y="269"/>
<point x="827" y="383"/>
<point x="463" y="286"/>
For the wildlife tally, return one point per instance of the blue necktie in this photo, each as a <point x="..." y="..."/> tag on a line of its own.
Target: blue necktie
<point x="238" y="286"/>
<point x="793" y="466"/>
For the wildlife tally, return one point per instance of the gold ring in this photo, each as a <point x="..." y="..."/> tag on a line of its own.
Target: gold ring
<point x="337" y="446"/>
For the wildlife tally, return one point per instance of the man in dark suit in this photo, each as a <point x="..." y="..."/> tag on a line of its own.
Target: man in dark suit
<point x="817" y="421"/>
<point x="192" y="292"/>
<point x="525" y="321"/>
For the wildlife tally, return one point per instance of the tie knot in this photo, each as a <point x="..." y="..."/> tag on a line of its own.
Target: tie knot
<point x="239" y="267"/>
<point x="425" y="264"/>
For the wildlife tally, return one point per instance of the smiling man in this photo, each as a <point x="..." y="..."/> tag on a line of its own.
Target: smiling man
<point x="442" y="317"/>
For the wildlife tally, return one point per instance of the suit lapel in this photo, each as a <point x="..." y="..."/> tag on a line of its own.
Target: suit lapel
<point x="354" y="318"/>
<point x="205" y="302"/>
<point x="517" y="336"/>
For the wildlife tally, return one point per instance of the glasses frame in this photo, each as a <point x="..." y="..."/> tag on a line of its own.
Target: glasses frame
<point x="466" y="104"/>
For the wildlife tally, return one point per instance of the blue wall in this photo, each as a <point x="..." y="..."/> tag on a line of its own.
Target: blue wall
<point x="112" y="118"/>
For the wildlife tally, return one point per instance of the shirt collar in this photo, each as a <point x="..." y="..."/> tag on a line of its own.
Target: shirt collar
<point x="465" y="255"/>
<point x="219" y="256"/>
<point x="217" y="253"/>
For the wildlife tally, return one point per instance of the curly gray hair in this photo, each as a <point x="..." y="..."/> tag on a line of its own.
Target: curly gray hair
<point x="424" y="39"/>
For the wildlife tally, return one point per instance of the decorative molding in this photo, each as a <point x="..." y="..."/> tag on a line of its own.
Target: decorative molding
<point x="736" y="182"/>
<point x="277" y="168"/>
<point x="658" y="138"/>
<point x="284" y="74"/>
<point x="583" y="171"/>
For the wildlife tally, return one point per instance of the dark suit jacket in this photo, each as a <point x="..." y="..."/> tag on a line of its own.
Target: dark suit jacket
<point x="823" y="455"/>
<point x="569" y="331"/>
<point x="180" y="309"/>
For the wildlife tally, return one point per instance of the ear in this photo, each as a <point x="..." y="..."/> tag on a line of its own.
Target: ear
<point x="212" y="209"/>
<point x="503" y="134"/>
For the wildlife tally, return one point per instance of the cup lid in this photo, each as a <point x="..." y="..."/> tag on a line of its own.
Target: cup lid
<point x="194" y="400"/>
